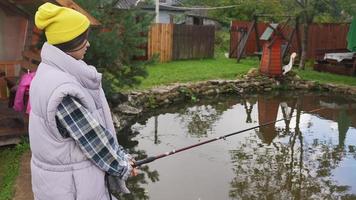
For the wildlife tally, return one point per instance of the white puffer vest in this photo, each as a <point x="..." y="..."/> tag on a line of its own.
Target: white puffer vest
<point x="60" y="170"/>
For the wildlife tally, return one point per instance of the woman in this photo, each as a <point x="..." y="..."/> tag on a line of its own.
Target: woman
<point x="72" y="136"/>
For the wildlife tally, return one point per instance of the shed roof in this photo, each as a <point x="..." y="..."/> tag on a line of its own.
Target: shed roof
<point x="268" y="32"/>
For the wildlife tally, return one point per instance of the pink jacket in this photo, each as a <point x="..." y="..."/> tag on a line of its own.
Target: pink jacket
<point x="24" y="87"/>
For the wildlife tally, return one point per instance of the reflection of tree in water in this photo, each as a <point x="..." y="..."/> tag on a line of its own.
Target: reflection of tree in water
<point x="286" y="170"/>
<point x="248" y="104"/>
<point x="200" y="119"/>
<point x="135" y="183"/>
<point x="290" y="171"/>
<point x="343" y="122"/>
<point x="263" y="173"/>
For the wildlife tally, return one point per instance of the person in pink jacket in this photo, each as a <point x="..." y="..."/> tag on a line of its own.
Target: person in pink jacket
<point x="22" y="89"/>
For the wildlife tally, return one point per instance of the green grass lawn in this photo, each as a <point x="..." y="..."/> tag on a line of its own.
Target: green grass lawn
<point x="196" y="70"/>
<point x="322" y="77"/>
<point x="9" y="168"/>
<point x="221" y="68"/>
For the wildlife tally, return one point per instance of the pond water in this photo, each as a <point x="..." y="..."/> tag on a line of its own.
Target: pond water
<point x="310" y="154"/>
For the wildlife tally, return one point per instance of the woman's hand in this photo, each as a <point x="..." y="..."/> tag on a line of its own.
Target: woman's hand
<point x="134" y="171"/>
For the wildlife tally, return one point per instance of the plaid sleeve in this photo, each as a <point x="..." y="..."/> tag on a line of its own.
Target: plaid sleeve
<point x="94" y="140"/>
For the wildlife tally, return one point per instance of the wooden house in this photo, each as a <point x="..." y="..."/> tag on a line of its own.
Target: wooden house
<point x="19" y="36"/>
<point x="18" y="54"/>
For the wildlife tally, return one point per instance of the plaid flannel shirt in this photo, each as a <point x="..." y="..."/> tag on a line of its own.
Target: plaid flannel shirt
<point x="74" y="120"/>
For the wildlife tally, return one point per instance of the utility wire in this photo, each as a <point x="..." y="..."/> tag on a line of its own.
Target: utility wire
<point x="135" y="2"/>
<point x="201" y="8"/>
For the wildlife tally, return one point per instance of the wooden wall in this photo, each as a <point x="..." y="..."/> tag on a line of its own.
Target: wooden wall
<point x="177" y="42"/>
<point x="235" y="37"/>
<point x="321" y="36"/>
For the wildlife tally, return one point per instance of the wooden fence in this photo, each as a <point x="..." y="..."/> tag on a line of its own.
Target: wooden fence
<point x="191" y="41"/>
<point x="160" y="39"/>
<point x="176" y="42"/>
<point x="321" y="36"/>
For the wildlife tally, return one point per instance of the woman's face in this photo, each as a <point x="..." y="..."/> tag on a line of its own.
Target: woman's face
<point x="80" y="52"/>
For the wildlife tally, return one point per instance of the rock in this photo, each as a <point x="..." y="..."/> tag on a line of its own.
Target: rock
<point x="302" y="86"/>
<point x="117" y="98"/>
<point x="160" y="90"/>
<point x="116" y="121"/>
<point x="310" y="84"/>
<point x="352" y="90"/>
<point x="162" y="97"/>
<point x="126" y="109"/>
<point x="330" y="86"/>
<point x="214" y="82"/>
<point x="209" y="92"/>
<point x="244" y="85"/>
<point x="253" y="72"/>
<point x="135" y="93"/>
<point x="256" y="83"/>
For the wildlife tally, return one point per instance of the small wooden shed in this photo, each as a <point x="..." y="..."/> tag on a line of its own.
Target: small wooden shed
<point x="271" y="60"/>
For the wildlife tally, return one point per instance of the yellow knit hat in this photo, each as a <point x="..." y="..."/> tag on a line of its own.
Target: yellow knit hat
<point x="60" y="24"/>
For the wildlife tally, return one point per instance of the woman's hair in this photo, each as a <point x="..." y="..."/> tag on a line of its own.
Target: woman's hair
<point x="75" y="44"/>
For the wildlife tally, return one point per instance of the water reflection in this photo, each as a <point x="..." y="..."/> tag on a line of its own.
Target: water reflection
<point x="343" y="122"/>
<point x="248" y="104"/>
<point x="200" y="119"/>
<point x="137" y="192"/>
<point x="305" y="156"/>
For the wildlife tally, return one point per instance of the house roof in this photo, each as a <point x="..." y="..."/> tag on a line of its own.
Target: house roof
<point x="30" y="7"/>
<point x="126" y="4"/>
<point x="73" y="5"/>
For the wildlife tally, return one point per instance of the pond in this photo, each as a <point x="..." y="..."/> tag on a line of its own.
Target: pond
<point x="309" y="154"/>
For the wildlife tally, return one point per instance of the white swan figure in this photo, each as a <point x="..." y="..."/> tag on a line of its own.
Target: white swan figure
<point x="288" y="67"/>
<point x="287" y="110"/>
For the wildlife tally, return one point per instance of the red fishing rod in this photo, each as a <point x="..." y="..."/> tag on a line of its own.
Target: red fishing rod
<point x="174" y="151"/>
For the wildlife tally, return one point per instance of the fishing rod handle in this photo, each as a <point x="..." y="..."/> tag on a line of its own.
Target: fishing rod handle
<point x="144" y="161"/>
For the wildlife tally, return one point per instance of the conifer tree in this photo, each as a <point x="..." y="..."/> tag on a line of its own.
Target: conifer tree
<point x="116" y="46"/>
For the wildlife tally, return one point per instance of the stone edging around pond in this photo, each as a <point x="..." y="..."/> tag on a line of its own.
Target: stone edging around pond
<point x="143" y="101"/>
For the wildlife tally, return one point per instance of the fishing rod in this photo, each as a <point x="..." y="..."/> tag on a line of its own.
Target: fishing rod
<point x="174" y="151"/>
